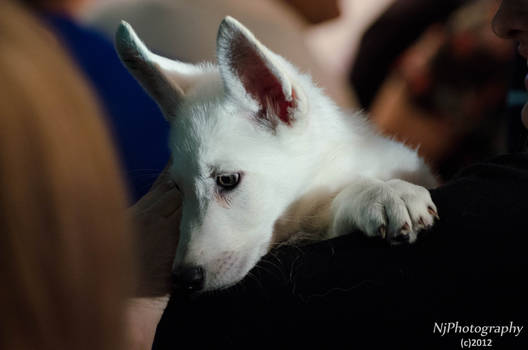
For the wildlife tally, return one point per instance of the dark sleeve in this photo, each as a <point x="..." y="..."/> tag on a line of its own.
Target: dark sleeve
<point x="388" y="37"/>
<point x="355" y="292"/>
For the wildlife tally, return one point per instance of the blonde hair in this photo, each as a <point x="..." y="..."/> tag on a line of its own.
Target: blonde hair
<point x="64" y="238"/>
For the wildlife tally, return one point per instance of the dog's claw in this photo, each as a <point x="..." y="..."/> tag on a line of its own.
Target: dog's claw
<point x="405" y="229"/>
<point x="383" y="231"/>
<point x="433" y="213"/>
<point x="403" y="235"/>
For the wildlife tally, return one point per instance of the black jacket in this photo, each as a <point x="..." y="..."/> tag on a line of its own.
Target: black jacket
<point x="355" y="292"/>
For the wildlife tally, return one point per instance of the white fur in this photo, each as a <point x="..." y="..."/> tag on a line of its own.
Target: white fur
<point x="214" y="130"/>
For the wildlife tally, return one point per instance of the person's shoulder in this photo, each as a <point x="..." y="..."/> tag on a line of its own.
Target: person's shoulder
<point x="73" y="33"/>
<point x="502" y="179"/>
<point x="513" y="159"/>
<point x="499" y="166"/>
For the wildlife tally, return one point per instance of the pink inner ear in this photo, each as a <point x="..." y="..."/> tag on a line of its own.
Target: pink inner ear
<point x="260" y="82"/>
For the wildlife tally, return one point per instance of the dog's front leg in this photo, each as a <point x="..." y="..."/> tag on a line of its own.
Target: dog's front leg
<point x="394" y="209"/>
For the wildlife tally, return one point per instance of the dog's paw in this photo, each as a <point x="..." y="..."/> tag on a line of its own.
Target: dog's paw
<point x="419" y="206"/>
<point x="395" y="210"/>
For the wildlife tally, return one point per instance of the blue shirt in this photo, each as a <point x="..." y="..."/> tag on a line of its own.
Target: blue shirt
<point x="139" y="129"/>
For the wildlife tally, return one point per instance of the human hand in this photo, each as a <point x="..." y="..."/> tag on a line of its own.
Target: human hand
<point x="157" y="218"/>
<point x="142" y="318"/>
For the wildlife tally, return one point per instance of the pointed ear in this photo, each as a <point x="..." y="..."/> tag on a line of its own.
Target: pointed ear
<point x="165" y="80"/>
<point x="241" y="57"/>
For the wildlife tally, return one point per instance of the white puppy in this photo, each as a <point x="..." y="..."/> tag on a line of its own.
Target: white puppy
<point x="261" y="156"/>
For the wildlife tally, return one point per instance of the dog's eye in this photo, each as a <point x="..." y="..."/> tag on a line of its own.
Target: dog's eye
<point x="228" y="181"/>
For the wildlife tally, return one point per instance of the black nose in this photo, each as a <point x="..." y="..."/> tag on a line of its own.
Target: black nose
<point x="190" y="278"/>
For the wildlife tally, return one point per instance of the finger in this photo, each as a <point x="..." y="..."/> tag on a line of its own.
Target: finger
<point x="163" y="176"/>
<point x="167" y="203"/>
<point x="175" y="219"/>
<point x="177" y="215"/>
<point x="162" y="185"/>
<point x="152" y="197"/>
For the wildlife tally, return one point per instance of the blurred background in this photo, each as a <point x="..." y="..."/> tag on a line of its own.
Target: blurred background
<point x="430" y="73"/>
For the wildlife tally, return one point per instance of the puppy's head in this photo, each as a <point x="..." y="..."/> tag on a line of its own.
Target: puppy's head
<point x="235" y="141"/>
